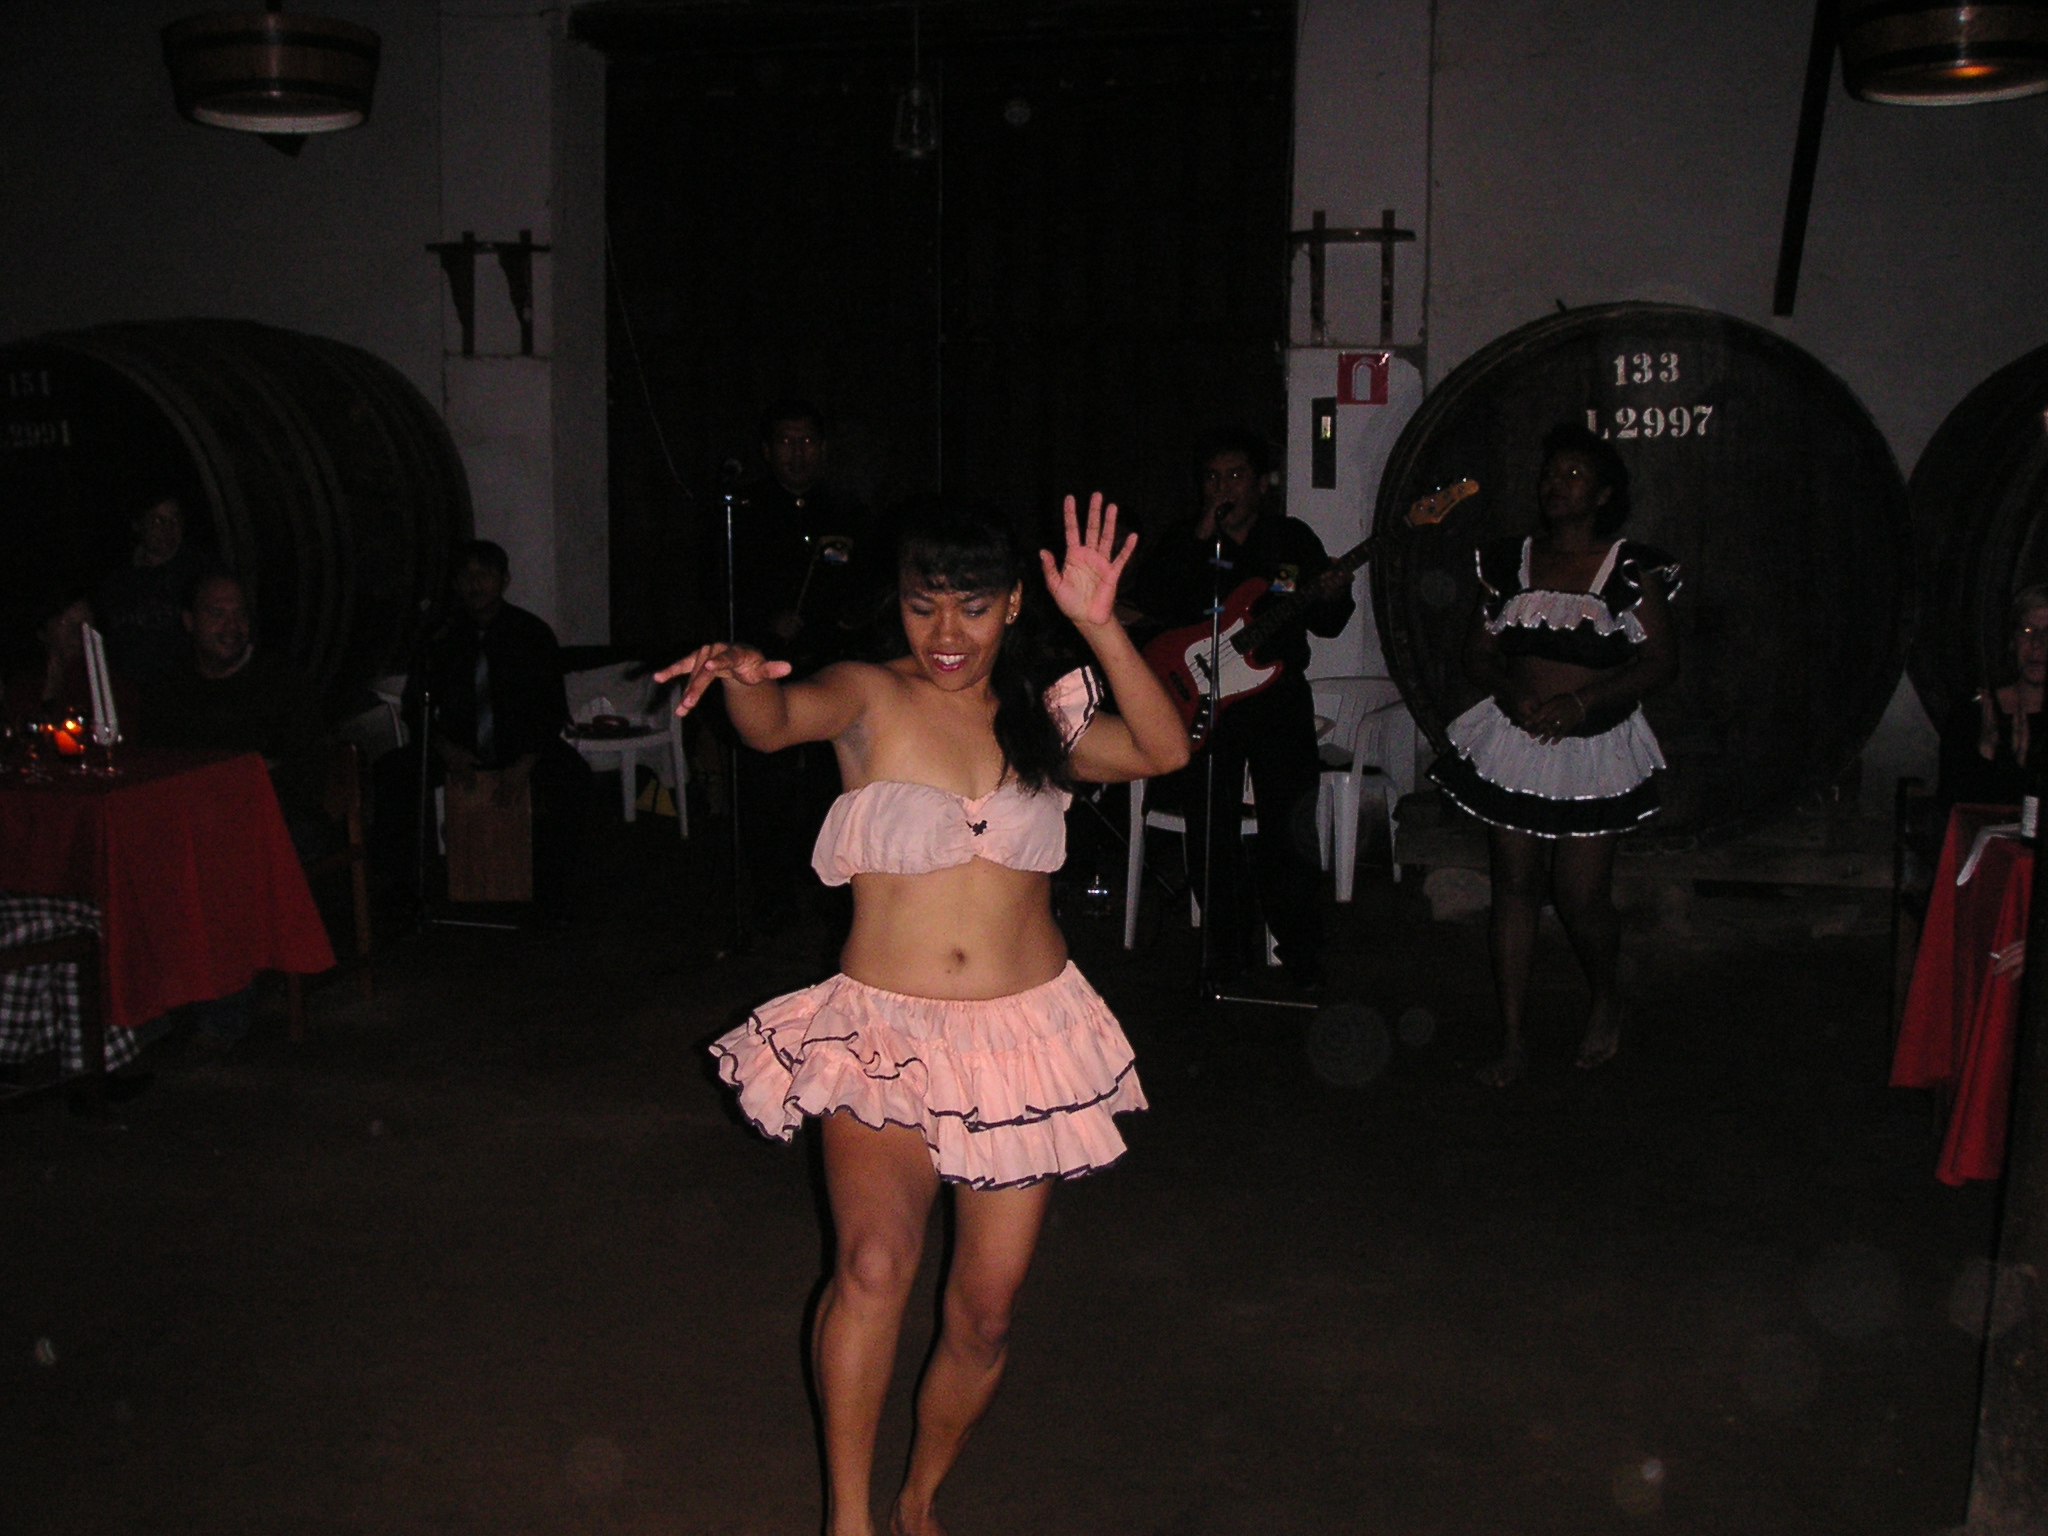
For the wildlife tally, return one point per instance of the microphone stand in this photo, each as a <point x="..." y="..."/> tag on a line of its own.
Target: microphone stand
<point x="424" y="918"/>
<point x="1207" y="986"/>
<point x="419" y="862"/>
<point x="730" y="497"/>
<point x="1206" y="982"/>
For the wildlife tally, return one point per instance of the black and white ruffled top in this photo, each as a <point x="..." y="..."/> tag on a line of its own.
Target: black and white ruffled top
<point x="1597" y="628"/>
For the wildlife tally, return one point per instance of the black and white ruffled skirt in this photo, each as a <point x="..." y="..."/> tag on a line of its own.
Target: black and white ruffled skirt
<point x="1582" y="786"/>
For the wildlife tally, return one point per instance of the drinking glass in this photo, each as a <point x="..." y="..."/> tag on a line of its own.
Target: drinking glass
<point x="34" y="748"/>
<point x="99" y="754"/>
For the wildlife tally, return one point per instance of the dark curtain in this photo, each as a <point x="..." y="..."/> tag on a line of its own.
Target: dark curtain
<point x="1087" y="274"/>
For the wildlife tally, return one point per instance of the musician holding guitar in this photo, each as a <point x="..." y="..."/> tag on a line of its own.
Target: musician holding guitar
<point x="1270" y="727"/>
<point x="806" y="584"/>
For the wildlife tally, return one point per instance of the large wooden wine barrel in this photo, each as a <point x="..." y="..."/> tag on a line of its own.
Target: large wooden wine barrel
<point x="314" y="470"/>
<point x="1979" y="501"/>
<point x="1751" y="463"/>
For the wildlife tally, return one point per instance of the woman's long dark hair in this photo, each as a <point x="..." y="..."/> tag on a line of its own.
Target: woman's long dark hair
<point x="950" y="547"/>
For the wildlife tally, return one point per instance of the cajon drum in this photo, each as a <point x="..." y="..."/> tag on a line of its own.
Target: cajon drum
<point x="490" y="847"/>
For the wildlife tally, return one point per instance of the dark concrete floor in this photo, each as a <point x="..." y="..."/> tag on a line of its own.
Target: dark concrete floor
<point x="490" y="1254"/>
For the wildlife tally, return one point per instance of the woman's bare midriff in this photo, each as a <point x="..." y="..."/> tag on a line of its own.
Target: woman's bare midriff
<point x="1546" y="678"/>
<point x="974" y="931"/>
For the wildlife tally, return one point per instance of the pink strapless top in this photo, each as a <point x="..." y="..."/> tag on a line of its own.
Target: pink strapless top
<point x="891" y="827"/>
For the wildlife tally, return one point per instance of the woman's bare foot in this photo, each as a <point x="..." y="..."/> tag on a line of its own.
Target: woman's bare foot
<point x="905" y="1521"/>
<point x="1602" y="1039"/>
<point x="1498" y="1074"/>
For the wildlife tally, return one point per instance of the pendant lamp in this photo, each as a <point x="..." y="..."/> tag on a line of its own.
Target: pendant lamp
<point x="1906" y="53"/>
<point x="271" y="73"/>
<point x="1912" y="53"/>
<point x="916" y="134"/>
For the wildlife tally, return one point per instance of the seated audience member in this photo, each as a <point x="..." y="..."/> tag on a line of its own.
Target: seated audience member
<point x="1990" y="744"/>
<point x="499" y="706"/>
<point x="139" y="606"/>
<point x="54" y="681"/>
<point x="231" y="695"/>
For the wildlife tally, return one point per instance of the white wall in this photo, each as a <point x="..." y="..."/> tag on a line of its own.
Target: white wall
<point x="1598" y="150"/>
<point x="112" y="207"/>
<point x="582" y="427"/>
<point x="1584" y="150"/>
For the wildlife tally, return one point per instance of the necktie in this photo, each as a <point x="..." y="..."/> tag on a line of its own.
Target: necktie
<point x="486" y="732"/>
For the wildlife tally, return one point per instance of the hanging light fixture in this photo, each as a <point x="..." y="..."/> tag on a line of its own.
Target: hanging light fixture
<point x="917" y="109"/>
<point x="1909" y="53"/>
<point x="1913" y="53"/>
<point x="283" y="76"/>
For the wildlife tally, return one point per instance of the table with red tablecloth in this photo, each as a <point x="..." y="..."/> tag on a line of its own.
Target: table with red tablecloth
<point x="187" y="857"/>
<point x="1961" y="1025"/>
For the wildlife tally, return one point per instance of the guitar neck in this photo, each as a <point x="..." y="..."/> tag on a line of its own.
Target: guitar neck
<point x="1254" y="635"/>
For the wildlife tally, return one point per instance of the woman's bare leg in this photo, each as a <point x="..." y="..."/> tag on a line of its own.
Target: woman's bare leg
<point x="995" y="1231"/>
<point x="1584" y="879"/>
<point x="1518" y="881"/>
<point x="881" y="1185"/>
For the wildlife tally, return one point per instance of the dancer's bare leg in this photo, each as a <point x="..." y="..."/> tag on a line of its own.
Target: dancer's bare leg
<point x="995" y="1231"/>
<point x="881" y="1185"/>
<point x="1518" y="881"/>
<point x="1584" y="877"/>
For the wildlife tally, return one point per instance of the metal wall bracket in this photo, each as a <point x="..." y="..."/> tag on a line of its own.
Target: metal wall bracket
<point x="1319" y="237"/>
<point x="515" y="258"/>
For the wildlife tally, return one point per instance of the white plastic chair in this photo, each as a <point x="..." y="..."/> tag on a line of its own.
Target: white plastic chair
<point x="376" y="731"/>
<point x="658" y="743"/>
<point x="1373" y="734"/>
<point x="1134" y="858"/>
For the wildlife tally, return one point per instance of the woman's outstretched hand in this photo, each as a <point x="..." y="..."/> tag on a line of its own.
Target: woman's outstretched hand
<point x="708" y="663"/>
<point x="1083" y="583"/>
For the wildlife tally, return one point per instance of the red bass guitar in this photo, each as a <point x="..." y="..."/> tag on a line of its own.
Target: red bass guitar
<point x="1181" y="657"/>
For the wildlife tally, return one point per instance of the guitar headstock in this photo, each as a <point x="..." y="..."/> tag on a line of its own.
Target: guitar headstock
<point x="1436" y="506"/>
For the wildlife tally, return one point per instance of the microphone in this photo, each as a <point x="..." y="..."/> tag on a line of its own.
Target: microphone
<point x="731" y="472"/>
<point x="434" y="632"/>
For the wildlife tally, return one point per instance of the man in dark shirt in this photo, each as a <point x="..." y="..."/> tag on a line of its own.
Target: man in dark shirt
<point x="1272" y="731"/>
<point x="499" y="705"/>
<point x="807" y="586"/>
<point x="807" y="589"/>
<point x="228" y="694"/>
<point x="139" y="606"/>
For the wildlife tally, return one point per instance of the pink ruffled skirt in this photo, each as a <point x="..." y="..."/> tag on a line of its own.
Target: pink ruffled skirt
<point x="1004" y="1090"/>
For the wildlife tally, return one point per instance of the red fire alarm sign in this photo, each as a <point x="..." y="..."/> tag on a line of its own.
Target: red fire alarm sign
<point x="1362" y="378"/>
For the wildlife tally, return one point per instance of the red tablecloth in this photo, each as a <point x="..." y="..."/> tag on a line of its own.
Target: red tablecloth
<point x="187" y="856"/>
<point x="1961" y="1021"/>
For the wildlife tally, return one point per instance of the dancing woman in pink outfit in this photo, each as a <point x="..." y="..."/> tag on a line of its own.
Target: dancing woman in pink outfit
<point x="958" y="1044"/>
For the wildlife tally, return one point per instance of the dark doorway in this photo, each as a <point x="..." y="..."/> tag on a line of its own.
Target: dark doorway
<point x="1089" y="272"/>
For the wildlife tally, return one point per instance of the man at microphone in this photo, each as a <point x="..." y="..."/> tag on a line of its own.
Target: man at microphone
<point x="1273" y="731"/>
<point x="799" y="548"/>
<point x="806" y="593"/>
<point x="494" y="671"/>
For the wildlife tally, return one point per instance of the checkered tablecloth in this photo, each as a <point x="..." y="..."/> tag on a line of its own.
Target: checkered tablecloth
<point x="39" y="1003"/>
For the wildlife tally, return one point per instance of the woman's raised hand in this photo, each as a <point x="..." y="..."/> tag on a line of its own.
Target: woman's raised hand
<point x="708" y="663"/>
<point x="1083" y="583"/>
